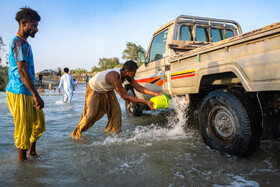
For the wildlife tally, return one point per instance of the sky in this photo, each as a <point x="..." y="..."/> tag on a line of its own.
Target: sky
<point x="77" y="33"/>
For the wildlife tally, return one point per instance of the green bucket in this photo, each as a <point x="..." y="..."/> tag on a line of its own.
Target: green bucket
<point x="160" y="102"/>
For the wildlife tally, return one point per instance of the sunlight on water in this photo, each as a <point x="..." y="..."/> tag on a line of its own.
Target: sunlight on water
<point x="156" y="149"/>
<point x="59" y="103"/>
<point x="240" y="181"/>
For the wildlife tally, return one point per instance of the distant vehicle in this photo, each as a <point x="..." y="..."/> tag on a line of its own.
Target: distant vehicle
<point x="48" y="72"/>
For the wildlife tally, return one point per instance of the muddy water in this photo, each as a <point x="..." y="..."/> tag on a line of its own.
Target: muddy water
<point x="157" y="149"/>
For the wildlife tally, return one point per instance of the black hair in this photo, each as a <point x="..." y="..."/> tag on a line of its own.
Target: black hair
<point x="66" y="70"/>
<point x="27" y="14"/>
<point x="130" y="66"/>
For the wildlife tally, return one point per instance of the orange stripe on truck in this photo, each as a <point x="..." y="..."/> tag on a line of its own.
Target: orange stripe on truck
<point x="158" y="81"/>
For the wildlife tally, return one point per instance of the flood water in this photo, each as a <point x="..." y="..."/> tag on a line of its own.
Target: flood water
<point x="157" y="149"/>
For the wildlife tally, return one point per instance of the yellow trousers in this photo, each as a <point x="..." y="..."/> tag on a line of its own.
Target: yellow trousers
<point x="96" y="106"/>
<point x="29" y="122"/>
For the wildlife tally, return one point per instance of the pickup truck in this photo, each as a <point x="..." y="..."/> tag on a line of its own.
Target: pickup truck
<point x="230" y="80"/>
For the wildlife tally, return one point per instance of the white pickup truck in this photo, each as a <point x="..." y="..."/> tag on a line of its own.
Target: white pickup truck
<point x="230" y="80"/>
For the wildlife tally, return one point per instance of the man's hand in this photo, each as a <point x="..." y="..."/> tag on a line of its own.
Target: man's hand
<point x="157" y="94"/>
<point x="58" y="90"/>
<point x="39" y="103"/>
<point x="150" y="105"/>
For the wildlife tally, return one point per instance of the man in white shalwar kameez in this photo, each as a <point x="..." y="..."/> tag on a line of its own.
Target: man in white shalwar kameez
<point x="67" y="85"/>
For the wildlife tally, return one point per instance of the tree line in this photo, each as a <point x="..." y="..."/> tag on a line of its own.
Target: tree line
<point x="130" y="53"/>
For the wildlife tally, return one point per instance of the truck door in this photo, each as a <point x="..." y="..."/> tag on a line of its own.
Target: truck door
<point x="151" y="74"/>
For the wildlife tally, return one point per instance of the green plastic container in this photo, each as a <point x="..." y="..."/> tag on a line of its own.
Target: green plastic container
<point x="160" y="102"/>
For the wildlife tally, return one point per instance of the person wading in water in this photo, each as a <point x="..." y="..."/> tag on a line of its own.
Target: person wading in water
<point x="101" y="99"/>
<point x="24" y="102"/>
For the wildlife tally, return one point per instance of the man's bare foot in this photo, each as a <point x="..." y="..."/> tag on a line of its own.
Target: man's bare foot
<point x="32" y="151"/>
<point x="22" y="154"/>
<point x="33" y="155"/>
<point x="112" y="132"/>
<point x="76" y="136"/>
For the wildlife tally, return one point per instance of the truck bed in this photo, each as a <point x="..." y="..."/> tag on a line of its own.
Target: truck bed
<point x="194" y="48"/>
<point x="253" y="57"/>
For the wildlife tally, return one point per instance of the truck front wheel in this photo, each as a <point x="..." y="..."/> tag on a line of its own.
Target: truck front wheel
<point x="132" y="109"/>
<point x="230" y="122"/>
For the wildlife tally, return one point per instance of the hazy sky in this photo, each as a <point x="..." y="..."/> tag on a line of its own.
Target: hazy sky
<point x="76" y="33"/>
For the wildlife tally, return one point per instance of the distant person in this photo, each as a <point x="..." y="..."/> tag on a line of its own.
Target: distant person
<point x="40" y="78"/>
<point x="67" y="85"/>
<point x="86" y="78"/>
<point x="41" y="89"/>
<point x="50" y="86"/>
<point x="76" y="82"/>
<point x="24" y="102"/>
<point x="101" y="99"/>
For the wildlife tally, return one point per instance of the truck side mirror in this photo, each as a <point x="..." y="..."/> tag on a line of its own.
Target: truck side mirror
<point x="141" y="57"/>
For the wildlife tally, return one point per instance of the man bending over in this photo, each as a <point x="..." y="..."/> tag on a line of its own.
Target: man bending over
<point x="101" y="99"/>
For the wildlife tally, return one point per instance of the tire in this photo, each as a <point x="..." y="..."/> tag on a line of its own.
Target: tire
<point x="230" y="122"/>
<point x="132" y="109"/>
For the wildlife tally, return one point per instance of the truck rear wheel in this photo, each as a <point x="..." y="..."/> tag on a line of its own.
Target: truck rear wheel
<point x="230" y="122"/>
<point x="132" y="109"/>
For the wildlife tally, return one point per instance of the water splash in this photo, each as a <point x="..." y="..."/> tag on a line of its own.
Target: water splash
<point x="178" y="118"/>
<point x="155" y="132"/>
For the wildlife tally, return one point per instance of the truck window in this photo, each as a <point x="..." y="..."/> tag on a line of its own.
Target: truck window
<point x="229" y="33"/>
<point x="216" y="36"/>
<point x="186" y="33"/>
<point x="201" y="35"/>
<point x="158" y="46"/>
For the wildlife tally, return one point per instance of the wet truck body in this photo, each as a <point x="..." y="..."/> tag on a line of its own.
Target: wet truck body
<point x="230" y="80"/>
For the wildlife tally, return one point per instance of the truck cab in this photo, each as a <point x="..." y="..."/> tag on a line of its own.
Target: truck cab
<point x="183" y="34"/>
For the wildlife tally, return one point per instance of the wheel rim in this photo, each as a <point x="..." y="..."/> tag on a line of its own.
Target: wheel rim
<point x="221" y="124"/>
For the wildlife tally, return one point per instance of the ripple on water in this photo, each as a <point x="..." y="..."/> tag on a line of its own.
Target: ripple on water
<point x="156" y="149"/>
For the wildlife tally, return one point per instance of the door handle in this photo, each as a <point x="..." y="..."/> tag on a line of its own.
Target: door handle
<point x="167" y="68"/>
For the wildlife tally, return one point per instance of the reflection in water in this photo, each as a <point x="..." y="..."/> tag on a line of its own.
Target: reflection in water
<point x="155" y="149"/>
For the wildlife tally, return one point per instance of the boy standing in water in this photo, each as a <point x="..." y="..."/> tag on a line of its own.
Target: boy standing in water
<point x="24" y="102"/>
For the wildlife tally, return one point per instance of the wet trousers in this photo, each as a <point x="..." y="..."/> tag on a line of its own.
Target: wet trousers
<point x="67" y="97"/>
<point x="29" y="122"/>
<point x="96" y="106"/>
